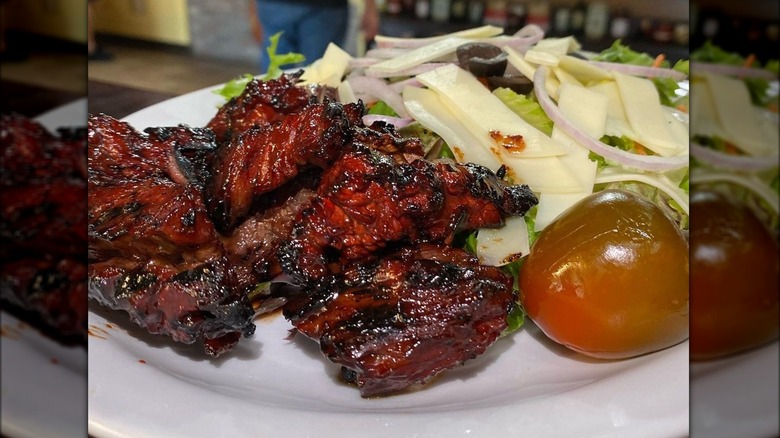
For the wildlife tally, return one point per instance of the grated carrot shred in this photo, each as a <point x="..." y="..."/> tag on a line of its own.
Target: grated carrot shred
<point x="658" y="60"/>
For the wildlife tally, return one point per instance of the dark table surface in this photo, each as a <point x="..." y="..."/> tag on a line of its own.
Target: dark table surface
<point x="31" y="100"/>
<point x="120" y="101"/>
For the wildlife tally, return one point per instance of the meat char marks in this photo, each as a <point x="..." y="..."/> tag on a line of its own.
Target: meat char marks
<point x="262" y="159"/>
<point x="43" y="226"/>
<point x="409" y="316"/>
<point x="367" y="200"/>
<point x="153" y="249"/>
<point x="261" y="103"/>
<point x="184" y="223"/>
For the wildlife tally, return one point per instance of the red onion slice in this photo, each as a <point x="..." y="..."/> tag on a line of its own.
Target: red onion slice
<point x="652" y="163"/>
<point x="362" y="62"/>
<point x="732" y="70"/>
<point x="640" y="70"/>
<point x="731" y="162"/>
<point x="381" y="90"/>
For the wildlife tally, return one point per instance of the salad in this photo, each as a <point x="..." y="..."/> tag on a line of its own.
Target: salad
<point x="590" y="135"/>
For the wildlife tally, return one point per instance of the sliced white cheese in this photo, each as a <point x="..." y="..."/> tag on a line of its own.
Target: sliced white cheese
<point x="643" y="111"/>
<point x="769" y="124"/>
<point x="616" y="122"/>
<point x="431" y="52"/>
<point x="346" y="95"/>
<point x="329" y="69"/>
<point x="736" y="115"/>
<point x="542" y="58"/>
<point x="564" y="77"/>
<point x="584" y="71"/>
<point x="516" y="60"/>
<point x="704" y="121"/>
<point x="551" y="205"/>
<point x="486" y="114"/>
<point x="499" y="246"/>
<point x="486" y="31"/>
<point x="426" y="107"/>
<point x="585" y="108"/>
<point x="557" y="47"/>
<point x="543" y="175"/>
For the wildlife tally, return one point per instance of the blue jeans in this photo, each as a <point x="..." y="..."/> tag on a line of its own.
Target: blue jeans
<point x="307" y="28"/>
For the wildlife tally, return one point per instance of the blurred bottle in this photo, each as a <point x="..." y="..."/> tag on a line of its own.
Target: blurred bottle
<point x="578" y="14"/>
<point x="440" y="10"/>
<point x="476" y="11"/>
<point x="496" y="13"/>
<point x="422" y="9"/>
<point x="620" y="27"/>
<point x="562" y="21"/>
<point x="459" y="11"/>
<point x="394" y="7"/>
<point x="538" y="14"/>
<point x="596" y="21"/>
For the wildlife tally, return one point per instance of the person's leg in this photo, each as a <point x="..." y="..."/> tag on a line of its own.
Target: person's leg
<point x="322" y="25"/>
<point x="278" y="16"/>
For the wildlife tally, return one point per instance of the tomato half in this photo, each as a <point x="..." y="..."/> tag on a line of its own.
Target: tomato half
<point x="734" y="277"/>
<point x="609" y="277"/>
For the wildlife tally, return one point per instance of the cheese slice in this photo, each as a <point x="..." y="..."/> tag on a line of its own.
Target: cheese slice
<point x="585" y="108"/>
<point x="329" y="69"/>
<point x="736" y="115"/>
<point x="645" y="116"/>
<point x="485" y="114"/>
<point x="516" y="60"/>
<point x="558" y="47"/>
<point x="584" y="71"/>
<point x="542" y="58"/>
<point x="551" y="205"/>
<point x="431" y="52"/>
<point x="499" y="246"/>
<point x="426" y="107"/>
<point x="616" y="122"/>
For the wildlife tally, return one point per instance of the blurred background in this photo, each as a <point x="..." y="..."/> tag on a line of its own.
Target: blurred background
<point x="44" y="58"/>
<point x="177" y="46"/>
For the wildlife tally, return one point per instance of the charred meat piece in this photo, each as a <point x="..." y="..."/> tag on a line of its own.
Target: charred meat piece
<point x="189" y="303"/>
<point x="31" y="154"/>
<point x="54" y="288"/>
<point x="153" y="250"/>
<point x="409" y="316"/>
<point x="43" y="226"/>
<point x="367" y="200"/>
<point x="261" y="103"/>
<point x="262" y="159"/>
<point x="383" y="137"/>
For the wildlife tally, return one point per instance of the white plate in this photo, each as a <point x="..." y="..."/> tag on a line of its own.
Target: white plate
<point x="43" y="392"/>
<point x="736" y="396"/>
<point x="525" y="385"/>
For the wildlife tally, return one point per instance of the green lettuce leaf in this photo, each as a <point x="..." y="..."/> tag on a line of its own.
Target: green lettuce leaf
<point x="279" y="59"/>
<point x="382" y="109"/>
<point x="234" y="87"/>
<point x="528" y="110"/>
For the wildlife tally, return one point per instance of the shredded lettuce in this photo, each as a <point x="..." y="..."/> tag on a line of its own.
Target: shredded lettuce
<point x="279" y="59"/>
<point x="382" y="109"/>
<point x="514" y="319"/>
<point x="234" y="87"/>
<point x="528" y="109"/>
